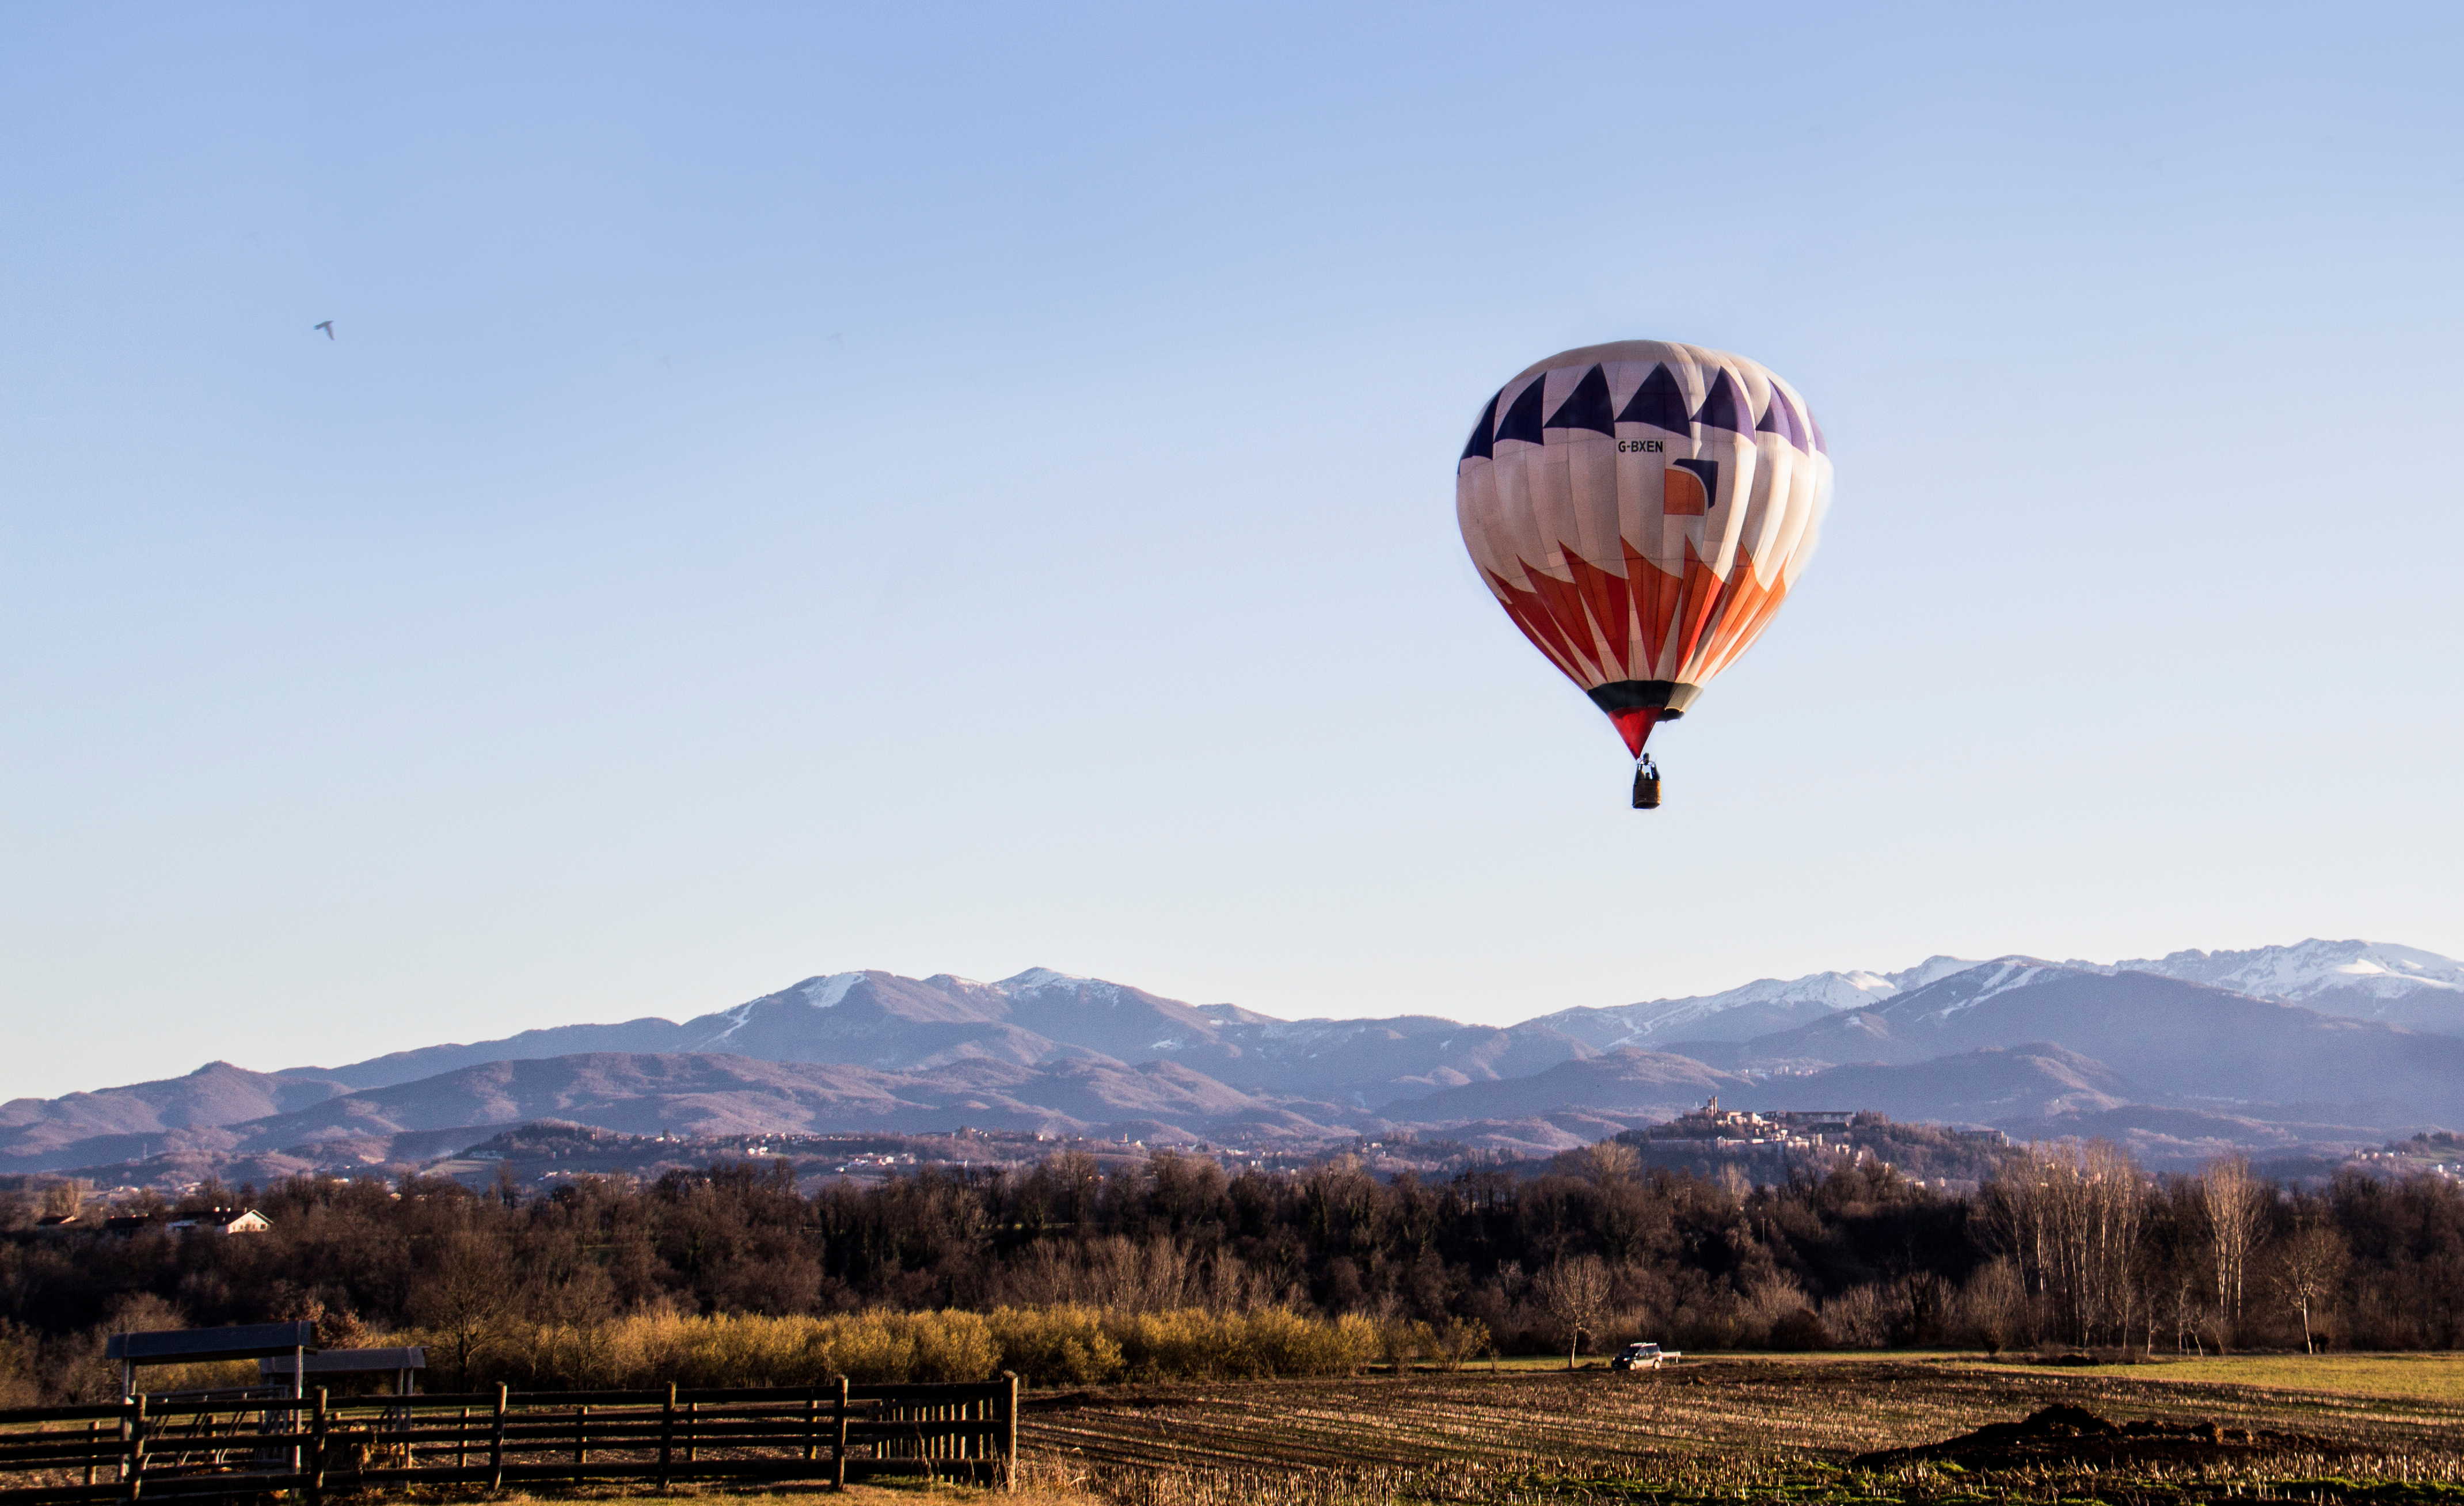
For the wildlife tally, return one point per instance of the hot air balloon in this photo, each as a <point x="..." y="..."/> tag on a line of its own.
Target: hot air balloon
<point x="1640" y="510"/>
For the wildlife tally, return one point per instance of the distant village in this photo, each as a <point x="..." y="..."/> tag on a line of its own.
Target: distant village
<point x="1778" y="1145"/>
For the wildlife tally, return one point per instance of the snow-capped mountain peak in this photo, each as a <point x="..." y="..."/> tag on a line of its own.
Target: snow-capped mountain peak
<point x="1756" y="1008"/>
<point x="1972" y="983"/>
<point x="829" y="991"/>
<point x="2365" y="980"/>
<point x="1038" y="978"/>
<point x="1930" y="971"/>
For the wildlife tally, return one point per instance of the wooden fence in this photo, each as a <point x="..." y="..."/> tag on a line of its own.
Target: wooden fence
<point x="252" y="1443"/>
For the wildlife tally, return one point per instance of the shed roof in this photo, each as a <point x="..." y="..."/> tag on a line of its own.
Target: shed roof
<point x="184" y="1345"/>
<point x="349" y="1362"/>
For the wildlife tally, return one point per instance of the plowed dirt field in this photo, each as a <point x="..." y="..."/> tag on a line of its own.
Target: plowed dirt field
<point x="1757" y="1429"/>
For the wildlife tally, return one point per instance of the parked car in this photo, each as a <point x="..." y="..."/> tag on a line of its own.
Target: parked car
<point x="1642" y="1356"/>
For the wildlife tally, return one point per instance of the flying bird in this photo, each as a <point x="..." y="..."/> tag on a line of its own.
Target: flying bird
<point x="328" y="327"/>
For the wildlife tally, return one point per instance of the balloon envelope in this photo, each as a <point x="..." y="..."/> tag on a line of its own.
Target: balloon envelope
<point x="1640" y="510"/>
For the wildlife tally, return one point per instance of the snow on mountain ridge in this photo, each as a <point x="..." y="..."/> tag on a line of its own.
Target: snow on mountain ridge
<point x="2311" y="967"/>
<point x="2363" y="980"/>
<point x="1765" y="1005"/>
<point x="1043" y="1013"/>
<point x="1985" y="980"/>
<point x="1035" y="978"/>
<point x="1931" y="970"/>
<point x="830" y="991"/>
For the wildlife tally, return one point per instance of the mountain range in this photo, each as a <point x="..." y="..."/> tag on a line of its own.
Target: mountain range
<point x="2322" y="1042"/>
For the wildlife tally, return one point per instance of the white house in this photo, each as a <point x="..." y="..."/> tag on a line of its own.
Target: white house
<point x="222" y="1221"/>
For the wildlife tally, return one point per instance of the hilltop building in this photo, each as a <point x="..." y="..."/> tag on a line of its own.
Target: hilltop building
<point x="1800" y="1129"/>
<point x="221" y="1221"/>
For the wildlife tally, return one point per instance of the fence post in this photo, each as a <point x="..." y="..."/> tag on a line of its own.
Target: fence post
<point x="497" y="1443"/>
<point x="462" y="1444"/>
<point x="812" y="1423"/>
<point x="1009" y="1432"/>
<point x="134" y="1472"/>
<point x="317" y="1451"/>
<point x="666" y="1434"/>
<point x="838" y="1448"/>
<point x="93" y="1448"/>
<point x="581" y="1442"/>
<point x="692" y="1432"/>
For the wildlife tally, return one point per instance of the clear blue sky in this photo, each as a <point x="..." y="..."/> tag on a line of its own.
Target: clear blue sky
<point x="957" y="489"/>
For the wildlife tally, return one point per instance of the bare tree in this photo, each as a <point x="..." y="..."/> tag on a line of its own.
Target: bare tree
<point x="467" y="1295"/>
<point x="1576" y="1293"/>
<point x="20" y="1383"/>
<point x="2112" y="1203"/>
<point x="1044" y="1276"/>
<point x="2308" y="1264"/>
<point x="2235" y="1205"/>
<point x="1609" y="1162"/>
<point x="2173" y="1257"/>
<point x="1995" y="1305"/>
<point x="1227" y="1285"/>
<point x="2069" y="1214"/>
<point x="1079" y="1177"/>
<point x="2184" y="1292"/>
<point x="1156" y="1277"/>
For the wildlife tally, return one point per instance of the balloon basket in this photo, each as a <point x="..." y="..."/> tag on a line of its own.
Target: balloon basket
<point x="1646" y="791"/>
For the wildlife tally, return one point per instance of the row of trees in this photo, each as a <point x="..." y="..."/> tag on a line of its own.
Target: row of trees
<point x="2102" y="1253"/>
<point x="2069" y="1244"/>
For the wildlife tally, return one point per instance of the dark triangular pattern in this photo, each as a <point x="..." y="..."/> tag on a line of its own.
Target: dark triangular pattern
<point x="1709" y="473"/>
<point x="1799" y="435"/>
<point x="1481" y="444"/>
<point x="1522" y="420"/>
<point x="1780" y="419"/>
<point x="1658" y="402"/>
<point x="1588" y="406"/>
<point x="1723" y="407"/>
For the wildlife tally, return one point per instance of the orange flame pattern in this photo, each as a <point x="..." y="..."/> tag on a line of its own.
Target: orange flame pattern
<point x="1602" y="627"/>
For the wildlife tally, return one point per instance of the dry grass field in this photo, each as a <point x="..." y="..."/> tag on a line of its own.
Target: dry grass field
<point x="1748" y="1429"/>
<point x="2427" y="1377"/>
<point x="2387" y="1430"/>
<point x="2383" y="1429"/>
